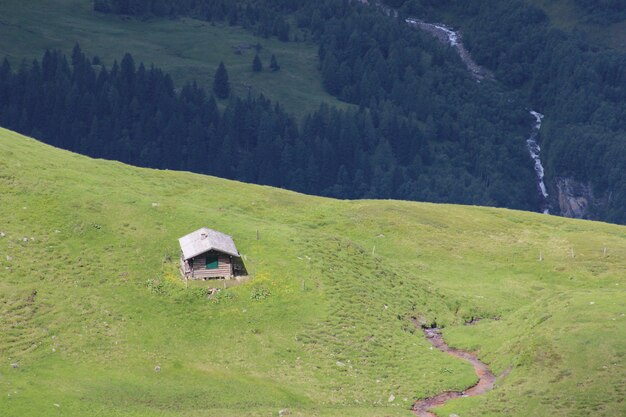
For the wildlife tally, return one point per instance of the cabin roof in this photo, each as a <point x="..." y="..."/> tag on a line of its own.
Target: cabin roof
<point x="204" y="240"/>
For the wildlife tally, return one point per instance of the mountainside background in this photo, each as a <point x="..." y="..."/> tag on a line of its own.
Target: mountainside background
<point x="91" y="302"/>
<point x="567" y="59"/>
<point x="400" y="115"/>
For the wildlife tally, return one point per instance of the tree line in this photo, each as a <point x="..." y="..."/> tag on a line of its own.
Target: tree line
<point x="134" y="114"/>
<point x="379" y="64"/>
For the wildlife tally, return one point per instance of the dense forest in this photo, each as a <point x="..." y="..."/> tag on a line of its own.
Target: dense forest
<point x="580" y="89"/>
<point x="134" y="114"/>
<point x="421" y="128"/>
<point x="603" y="11"/>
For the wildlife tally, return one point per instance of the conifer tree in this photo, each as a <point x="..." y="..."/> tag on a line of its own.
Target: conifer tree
<point x="221" y="85"/>
<point x="274" y="64"/>
<point x="257" y="66"/>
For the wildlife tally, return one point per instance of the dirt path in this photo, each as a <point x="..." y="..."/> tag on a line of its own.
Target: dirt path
<point x="486" y="379"/>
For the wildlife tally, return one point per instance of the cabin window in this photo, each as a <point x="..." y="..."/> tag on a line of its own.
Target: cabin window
<point x="211" y="262"/>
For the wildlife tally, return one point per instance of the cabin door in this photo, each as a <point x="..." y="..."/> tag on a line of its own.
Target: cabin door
<point x="212" y="262"/>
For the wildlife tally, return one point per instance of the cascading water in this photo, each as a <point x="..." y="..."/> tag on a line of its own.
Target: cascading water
<point x="453" y="37"/>
<point x="535" y="153"/>
<point x="445" y="34"/>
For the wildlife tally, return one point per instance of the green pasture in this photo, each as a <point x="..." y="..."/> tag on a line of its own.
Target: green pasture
<point x="188" y="49"/>
<point x="90" y="303"/>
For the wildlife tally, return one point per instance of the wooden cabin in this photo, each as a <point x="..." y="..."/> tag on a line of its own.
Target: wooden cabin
<point x="207" y="253"/>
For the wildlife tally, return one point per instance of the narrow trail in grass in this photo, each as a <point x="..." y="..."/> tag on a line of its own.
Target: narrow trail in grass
<point x="486" y="379"/>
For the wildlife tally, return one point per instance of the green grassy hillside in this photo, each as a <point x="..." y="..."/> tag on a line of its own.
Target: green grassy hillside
<point x="90" y="302"/>
<point x="28" y="28"/>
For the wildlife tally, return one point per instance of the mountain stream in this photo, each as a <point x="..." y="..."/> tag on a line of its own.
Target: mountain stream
<point x="535" y="153"/>
<point x="447" y="35"/>
<point x="486" y="379"/>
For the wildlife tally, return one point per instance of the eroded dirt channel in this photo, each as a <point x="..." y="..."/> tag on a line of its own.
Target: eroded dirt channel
<point x="486" y="379"/>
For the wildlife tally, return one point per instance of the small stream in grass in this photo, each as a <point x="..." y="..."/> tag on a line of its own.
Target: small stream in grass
<point x="486" y="379"/>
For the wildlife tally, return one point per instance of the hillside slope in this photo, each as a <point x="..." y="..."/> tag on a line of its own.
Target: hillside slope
<point x="90" y="303"/>
<point x="188" y="49"/>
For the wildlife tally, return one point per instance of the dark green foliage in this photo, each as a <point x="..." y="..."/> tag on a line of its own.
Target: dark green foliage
<point x="103" y="6"/>
<point x="221" y="85"/>
<point x="437" y="119"/>
<point x="281" y="29"/>
<point x="603" y="11"/>
<point x="274" y="64"/>
<point x="257" y="65"/>
<point x="580" y="89"/>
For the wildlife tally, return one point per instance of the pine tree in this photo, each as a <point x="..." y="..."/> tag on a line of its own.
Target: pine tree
<point x="102" y="6"/>
<point x="221" y="85"/>
<point x="159" y="8"/>
<point x="274" y="64"/>
<point x="257" y="66"/>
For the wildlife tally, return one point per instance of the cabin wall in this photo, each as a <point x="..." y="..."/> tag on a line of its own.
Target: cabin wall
<point x="224" y="267"/>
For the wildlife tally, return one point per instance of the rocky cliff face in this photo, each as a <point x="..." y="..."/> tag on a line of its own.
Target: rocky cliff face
<point x="575" y="199"/>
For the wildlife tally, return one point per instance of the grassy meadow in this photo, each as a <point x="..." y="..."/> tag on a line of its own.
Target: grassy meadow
<point x="90" y="301"/>
<point x="185" y="48"/>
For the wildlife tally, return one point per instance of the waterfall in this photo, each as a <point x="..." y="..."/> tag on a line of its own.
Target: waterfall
<point x="446" y="34"/>
<point x="453" y="37"/>
<point x="535" y="153"/>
